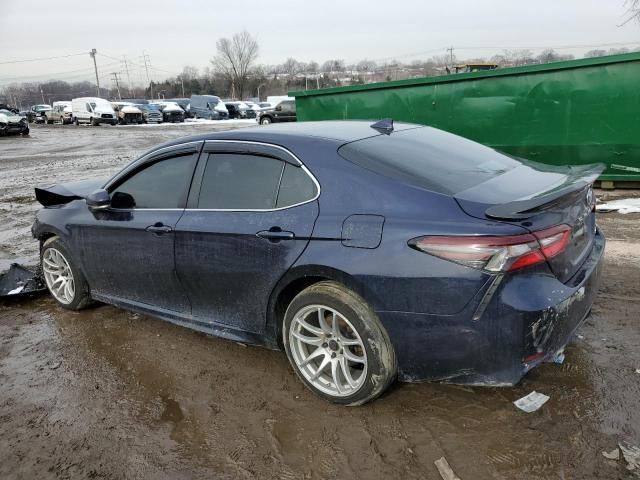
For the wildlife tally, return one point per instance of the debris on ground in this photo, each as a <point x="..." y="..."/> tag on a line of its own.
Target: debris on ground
<point x="532" y="402"/>
<point x="55" y="365"/>
<point x="558" y="358"/>
<point x="19" y="280"/>
<point x="627" y="205"/>
<point x="445" y="470"/>
<point x="612" y="455"/>
<point x="631" y="454"/>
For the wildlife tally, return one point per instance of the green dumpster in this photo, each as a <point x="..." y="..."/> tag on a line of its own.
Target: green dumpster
<point x="565" y="113"/>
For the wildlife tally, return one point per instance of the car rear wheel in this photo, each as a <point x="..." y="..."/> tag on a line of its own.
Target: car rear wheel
<point x="64" y="279"/>
<point x="337" y="345"/>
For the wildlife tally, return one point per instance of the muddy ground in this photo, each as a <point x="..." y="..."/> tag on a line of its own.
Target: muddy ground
<point x="109" y="394"/>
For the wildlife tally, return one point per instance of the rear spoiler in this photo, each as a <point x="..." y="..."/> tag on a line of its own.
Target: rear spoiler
<point x="66" y="192"/>
<point x="578" y="180"/>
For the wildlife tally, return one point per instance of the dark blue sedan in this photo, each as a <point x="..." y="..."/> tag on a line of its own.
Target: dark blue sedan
<point x="367" y="252"/>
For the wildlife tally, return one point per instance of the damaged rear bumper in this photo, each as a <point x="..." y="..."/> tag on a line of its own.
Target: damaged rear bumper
<point x="513" y="324"/>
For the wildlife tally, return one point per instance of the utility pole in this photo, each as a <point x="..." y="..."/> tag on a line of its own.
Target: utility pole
<point x="126" y="69"/>
<point x="147" y="64"/>
<point x="92" y="53"/>
<point x="42" y="93"/>
<point x="450" y="50"/>
<point x="182" y="83"/>
<point x="115" y="78"/>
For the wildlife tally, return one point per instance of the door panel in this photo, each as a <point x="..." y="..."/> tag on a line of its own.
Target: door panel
<point x="228" y="270"/>
<point x="124" y="260"/>
<point x="251" y="213"/>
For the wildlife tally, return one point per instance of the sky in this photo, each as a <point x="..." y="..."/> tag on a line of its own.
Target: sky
<point x="175" y="33"/>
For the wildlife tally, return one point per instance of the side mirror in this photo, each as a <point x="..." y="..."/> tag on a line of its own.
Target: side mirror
<point x="279" y="108"/>
<point x="99" y="200"/>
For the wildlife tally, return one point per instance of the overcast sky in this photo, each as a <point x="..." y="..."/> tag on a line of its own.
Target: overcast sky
<point x="175" y="33"/>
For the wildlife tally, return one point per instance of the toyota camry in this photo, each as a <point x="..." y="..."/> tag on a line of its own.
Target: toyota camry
<point x="367" y="252"/>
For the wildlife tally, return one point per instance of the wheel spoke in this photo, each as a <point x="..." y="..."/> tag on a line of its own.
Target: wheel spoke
<point x="325" y="361"/>
<point x="307" y="340"/>
<point x="323" y="321"/>
<point x="335" y="374"/>
<point x="310" y="328"/>
<point x="349" y="355"/>
<point x="347" y="373"/>
<point x="315" y="354"/>
<point x="335" y="328"/>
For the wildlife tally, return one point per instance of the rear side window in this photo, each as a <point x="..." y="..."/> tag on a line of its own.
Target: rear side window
<point x="163" y="184"/>
<point x="296" y="187"/>
<point x="240" y="182"/>
<point x="429" y="158"/>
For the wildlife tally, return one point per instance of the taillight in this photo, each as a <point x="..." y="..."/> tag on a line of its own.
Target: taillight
<point x="497" y="253"/>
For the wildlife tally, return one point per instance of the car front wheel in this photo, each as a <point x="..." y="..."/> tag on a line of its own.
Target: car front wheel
<point x="337" y="345"/>
<point x="64" y="280"/>
<point x="265" y="121"/>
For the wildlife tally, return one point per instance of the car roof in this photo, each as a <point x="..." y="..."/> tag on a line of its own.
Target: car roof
<point x="339" y="131"/>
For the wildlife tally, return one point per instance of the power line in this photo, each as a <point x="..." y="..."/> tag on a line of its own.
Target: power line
<point x="42" y="58"/>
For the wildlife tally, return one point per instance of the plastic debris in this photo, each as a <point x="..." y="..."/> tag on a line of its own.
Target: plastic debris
<point x="55" y="365"/>
<point x="558" y="358"/>
<point x="627" y="205"/>
<point x="532" y="402"/>
<point x="445" y="470"/>
<point x="612" y="455"/>
<point x="16" y="290"/>
<point x="19" y="280"/>
<point x="637" y="370"/>
<point x="631" y="454"/>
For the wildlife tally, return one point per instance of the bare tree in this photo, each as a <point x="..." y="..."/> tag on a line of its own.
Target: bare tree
<point x="633" y="11"/>
<point x="235" y="58"/>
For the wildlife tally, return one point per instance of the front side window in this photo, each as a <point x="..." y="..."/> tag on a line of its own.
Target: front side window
<point x="240" y="182"/>
<point x="164" y="184"/>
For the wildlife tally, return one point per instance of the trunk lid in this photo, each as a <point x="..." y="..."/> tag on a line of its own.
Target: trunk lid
<point x="537" y="197"/>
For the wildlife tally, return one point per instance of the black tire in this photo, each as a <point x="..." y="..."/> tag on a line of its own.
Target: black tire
<point x="82" y="296"/>
<point x="265" y="120"/>
<point x="381" y="366"/>
<point x="25" y="131"/>
<point x="93" y="122"/>
<point x="75" y="120"/>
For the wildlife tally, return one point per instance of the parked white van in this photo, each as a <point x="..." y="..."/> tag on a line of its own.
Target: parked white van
<point x="93" y="110"/>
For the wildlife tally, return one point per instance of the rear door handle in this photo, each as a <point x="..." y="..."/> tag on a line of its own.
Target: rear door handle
<point x="159" y="229"/>
<point x="276" y="235"/>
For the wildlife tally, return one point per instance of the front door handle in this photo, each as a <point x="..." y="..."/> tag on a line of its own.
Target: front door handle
<point x="159" y="229"/>
<point x="275" y="235"/>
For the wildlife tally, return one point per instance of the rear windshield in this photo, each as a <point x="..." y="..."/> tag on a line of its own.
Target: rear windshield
<point x="429" y="158"/>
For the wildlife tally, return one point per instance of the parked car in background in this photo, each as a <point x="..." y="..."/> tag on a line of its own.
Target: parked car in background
<point x="184" y="103"/>
<point x="208" y="106"/>
<point x="4" y="106"/>
<point x="13" y="123"/>
<point x="93" y="110"/>
<point x="253" y="106"/>
<point x="150" y="113"/>
<point x="37" y="113"/>
<point x="60" y="112"/>
<point x="127" y="113"/>
<point x="285" y="111"/>
<point x="264" y="105"/>
<point x="238" y="109"/>
<point x="374" y="252"/>
<point x="171" y="111"/>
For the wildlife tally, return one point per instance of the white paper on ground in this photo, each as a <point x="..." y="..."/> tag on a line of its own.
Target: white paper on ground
<point x="532" y="402"/>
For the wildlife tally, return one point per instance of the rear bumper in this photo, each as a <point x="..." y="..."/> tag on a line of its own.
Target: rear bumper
<point x="525" y="320"/>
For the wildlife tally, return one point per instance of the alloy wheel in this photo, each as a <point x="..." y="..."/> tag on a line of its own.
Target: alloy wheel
<point x="328" y="350"/>
<point x="58" y="275"/>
